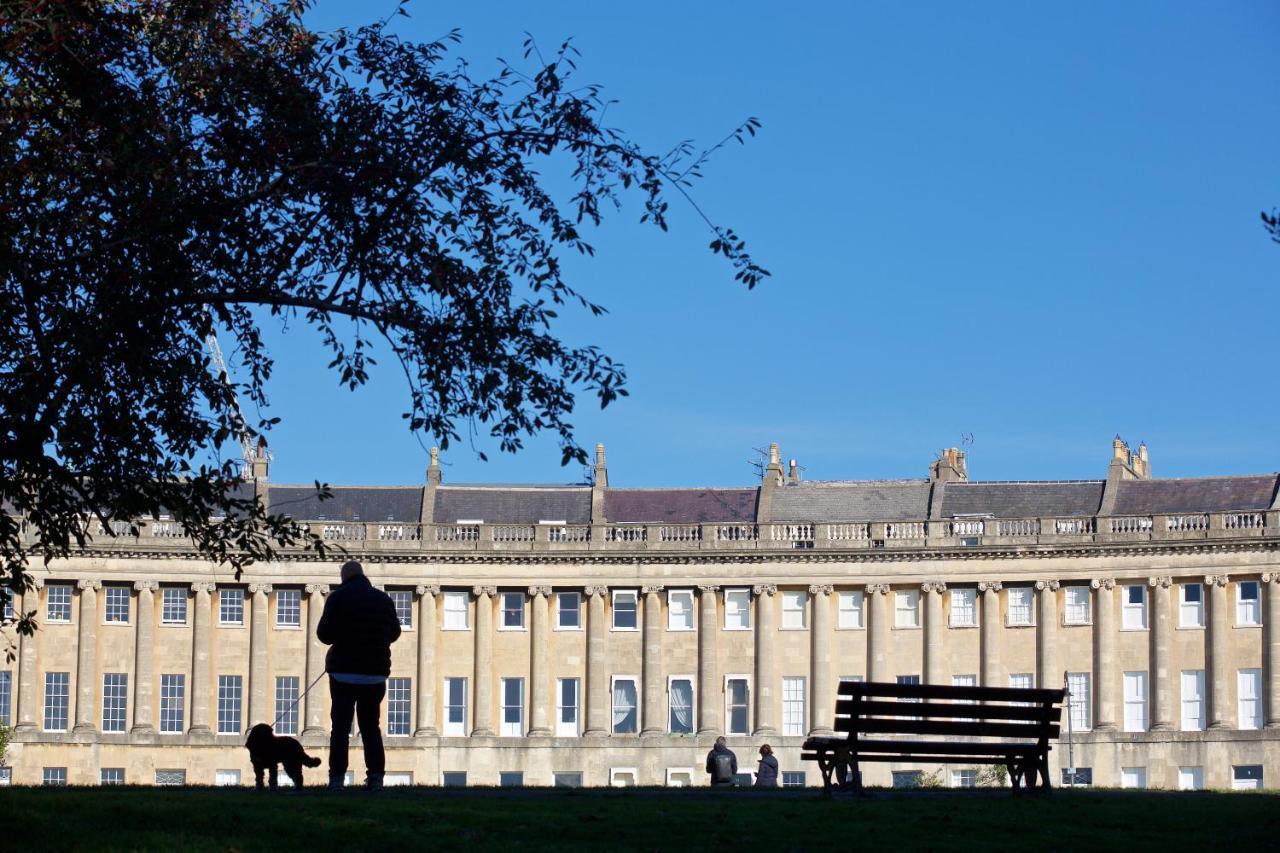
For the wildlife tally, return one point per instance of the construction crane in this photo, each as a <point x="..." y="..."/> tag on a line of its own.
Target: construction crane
<point x="248" y="451"/>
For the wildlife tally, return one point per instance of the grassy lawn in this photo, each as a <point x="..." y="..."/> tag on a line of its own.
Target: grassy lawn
<point x="643" y="819"/>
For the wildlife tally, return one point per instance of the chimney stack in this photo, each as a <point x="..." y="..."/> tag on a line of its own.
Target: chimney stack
<point x="427" y="513"/>
<point x="599" y="482"/>
<point x="949" y="466"/>
<point x="793" y="475"/>
<point x="772" y="480"/>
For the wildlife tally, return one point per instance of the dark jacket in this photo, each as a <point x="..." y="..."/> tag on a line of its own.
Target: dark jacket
<point x="722" y="764"/>
<point x="360" y="623"/>
<point x="767" y="775"/>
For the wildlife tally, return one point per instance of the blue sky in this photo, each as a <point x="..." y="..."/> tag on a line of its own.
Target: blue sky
<point x="1032" y="223"/>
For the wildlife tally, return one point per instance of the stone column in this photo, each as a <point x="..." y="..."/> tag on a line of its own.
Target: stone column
<point x="259" y="694"/>
<point x="1104" y="654"/>
<point x="824" y="704"/>
<point x="1218" y="669"/>
<point x="540" y="662"/>
<point x="1047" y="675"/>
<point x="1161" y="649"/>
<point x="934" y="633"/>
<point x="991" y="625"/>
<point x="597" y="676"/>
<point x="314" y="702"/>
<point x="653" y="713"/>
<point x="28" y="691"/>
<point x="427" y="661"/>
<point x="766" y="677"/>
<point x="200" y="647"/>
<point x="709" y="720"/>
<point x="87" y="656"/>
<point x="877" y="595"/>
<point x="483" y="726"/>
<point x="143" y="666"/>
<point x="1271" y="651"/>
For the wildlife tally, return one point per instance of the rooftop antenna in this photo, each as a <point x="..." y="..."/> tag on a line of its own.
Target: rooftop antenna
<point x="760" y="462"/>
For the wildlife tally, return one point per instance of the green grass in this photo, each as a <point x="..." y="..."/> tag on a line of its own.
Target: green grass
<point x="644" y="819"/>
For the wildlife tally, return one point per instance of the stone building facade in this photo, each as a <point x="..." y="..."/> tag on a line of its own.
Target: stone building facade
<point x="596" y="635"/>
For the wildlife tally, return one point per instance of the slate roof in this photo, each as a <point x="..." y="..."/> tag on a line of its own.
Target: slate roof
<point x="852" y="500"/>
<point x="679" y="506"/>
<point x="513" y="504"/>
<point x="349" y="503"/>
<point x="1021" y="500"/>
<point x="1201" y="494"/>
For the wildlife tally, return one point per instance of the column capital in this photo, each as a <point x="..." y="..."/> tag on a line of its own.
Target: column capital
<point x="593" y="591"/>
<point x="1162" y="582"/>
<point x="148" y="586"/>
<point x="1271" y="577"/>
<point x="1216" y="580"/>
<point x="1042" y="585"/>
<point x="877" y="589"/>
<point x="478" y="591"/>
<point x="313" y="588"/>
<point x="1103" y="583"/>
<point x="933" y="586"/>
<point x="709" y="588"/>
<point x="427" y="589"/>
<point x="821" y="589"/>
<point x="88" y="583"/>
<point x="535" y="591"/>
<point x="990" y="586"/>
<point x="758" y="590"/>
<point x="203" y="586"/>
<point x="255" y="588"/>
<point x="652" y="589"/>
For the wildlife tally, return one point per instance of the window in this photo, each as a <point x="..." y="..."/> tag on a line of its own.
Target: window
<point x="512" y="707"/>
<point x="286" y="705"/>
<point x="1081" y="700"/>
<point x="965" y="681"/>
<point x="1135" y="608"/>
<point x="967" y="778"/>
<point x="737" y="696"/>
<point x="849" y="608"/>
<point x="231" y="606"/>
<point x="58" y="608"/>
<point x="1249" y="698"/>
<point x="226" y="778"/>
<point x="6" y="610"/>
<point x="403" y="601"/>
<point x="229" y="704"/>
<point x="1190" y="778"/>
<point x="6" y="697"/>
<point x="1190" y="605"/>
<point x="54" y="776"/>
<point x="1247" y="777"/>
<point x="1193" y="700"/>
<point x="1133" y="777"/>
<point x="1080" y="776"/>
<point x="399" y="698"/>
<point x="624" y="610"/>
<point x="510" y="779"/>
<point x="625" y="713"/>
<point x="793" y="602"/>
<point x="793" y="778"/>
<point x="907" y="778"/>
<point x="1247" y="606"/>
<point x="737" y="609"/>
<point x="172" y="703"/>
<point x="569" y="611"/>
<point x="455" y="707"/>
<point x="567" y="780"/>
<point x="173" y="605"/>
<point x="1020" y="606"/>
<point x="964" y="611"/>
<point x="680" y="702"/>
<point x="116" y="604"/>
<point x="906" y="608"/>
<point x="115" y="687"/>
<point x="6" y="776"/>
<point x="512" y="611"/>
<point x="679" y="777"/>
<point x="111" y="776"/>
<point x="1022" y="680"/>
<point x="1077" y="598"/>
<point x="397" y="780"/>
<point x="288" y="608"/>
<point x="454" y="778"/>
<point x="455" y="611"/>
<point x="622" y="777"/>
<point x="1135" y="701"/>
<point x="178" y="777"/>
<point x="680" y="610"/>
<point x="567" y="707"/>
<point x="56" y="691"/>
<point x="793" y="716"/>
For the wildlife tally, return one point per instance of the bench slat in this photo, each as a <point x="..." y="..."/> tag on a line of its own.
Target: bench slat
<point x="873" y="708"/>
<point x="906" y="747"/>
<point x="957" y="729"/>
<point x="946" y="691"/>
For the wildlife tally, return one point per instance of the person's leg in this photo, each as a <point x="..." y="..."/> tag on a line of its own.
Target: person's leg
<point x="369" y="713"/>
<point x="341" y="709"/>
<point x="294" y="770"/>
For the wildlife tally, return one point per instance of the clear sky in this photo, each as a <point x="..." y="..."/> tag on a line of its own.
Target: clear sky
<point x="1032" y="223"/>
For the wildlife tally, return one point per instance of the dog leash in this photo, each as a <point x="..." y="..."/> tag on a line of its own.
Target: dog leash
<point x="289" y="710"/>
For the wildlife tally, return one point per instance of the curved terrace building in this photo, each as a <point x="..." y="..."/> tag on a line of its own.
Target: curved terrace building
<point x="604" y="636"/>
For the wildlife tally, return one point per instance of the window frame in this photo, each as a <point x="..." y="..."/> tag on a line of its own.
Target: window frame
<point x="117" y="776"/>
<point x="1141" y="702"/>
<point x="789" y="599"/>
<point x="234" y="683"/>
<point x="291" y="594"/>
<point x="729" y="706"/>
<point x="1197" y="702"/>
<point x="744" y="611"/>
<point x="634" y="596"/>
<point x="1244" y="605"/>
<point x="225" y="595"/>
<point x="1012" y="609"/>
<point x="855" y="595"/>
<point x="49" y="603"/>
<point x="1194" y="772"/>
<point x="399" y="706"/>
<point x="795" y="727"/>
<point x="447" y="727"/>
<point x="561" y="730"/>
<point x="177" y="596"/>
<point x="689" y="608"/>
<point x="405" y="618"/>
<point x="1067" y="605"/>
<point x="577" y="610"/>
<point x="970" y="595"/>
<point x="900" y="595"/>
<point x="1082" y="722"/>
<point x="614" y="680"/>
<point x="1251" y="676"/>
<point x="166" y="701"/>
<point x="115" y="702"/>
<point x="1139" y="774"/>
<point x="503" y="610"/>
<point x="507" y="728"/>
<point x="1183" y="604"/>
<point x="455" y="595"/>
<point x="693" y="704"/>
<point x="113" y="590"/>
<point x="287" y="722"/>
<point x="65" y="699"/>
<point x="1128" y="608"/>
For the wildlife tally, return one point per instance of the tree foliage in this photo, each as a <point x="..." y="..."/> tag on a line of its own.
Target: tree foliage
<point x="177" y="169"/>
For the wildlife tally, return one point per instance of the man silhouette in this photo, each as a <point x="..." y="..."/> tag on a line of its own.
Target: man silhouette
<point x="360" y="624"/>
<point x="722" y="764"/>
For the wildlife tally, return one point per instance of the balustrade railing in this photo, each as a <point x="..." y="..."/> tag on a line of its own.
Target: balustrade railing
<point x="799" y="535"/>
<point x="967" y="527"/>
<point x="737" y="533"/>
<point x="339" y="532"/>
<point x="1244" y="520"/>
<point x="626" y="533"/>
<point x="1074" y="526"/>
<point x="905" y="530"/>
<point x="848" y="532"/>
<point x="568" y="533"/>
<point x="458" y="533"/>
<point x="1179" y="523"/>
<point x="514" y="533"/>
<point x="399" y="532"/>
<point x="1018" y="527"/>
<point x="680" y="533"/>
<point x="1131" y="524"/>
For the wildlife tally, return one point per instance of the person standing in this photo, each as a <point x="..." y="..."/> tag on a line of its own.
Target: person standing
<point x="359" y="623"/>
<point x="767" y="775"/>
<point x="722" y="764"/>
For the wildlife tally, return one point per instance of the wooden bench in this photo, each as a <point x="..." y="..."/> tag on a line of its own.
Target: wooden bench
<point x="974" y="725"/>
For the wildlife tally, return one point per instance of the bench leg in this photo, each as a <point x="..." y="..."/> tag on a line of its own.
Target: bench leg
<point x="826" y="766"/>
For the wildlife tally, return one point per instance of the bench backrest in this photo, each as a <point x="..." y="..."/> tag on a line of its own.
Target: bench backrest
<point x="872" y="707"/>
